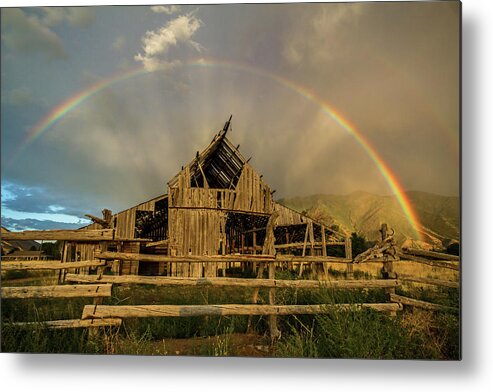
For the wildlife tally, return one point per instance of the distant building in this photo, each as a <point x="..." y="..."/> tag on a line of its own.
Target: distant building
<point x="26" y="255"/>
<point x="14" y="245"/>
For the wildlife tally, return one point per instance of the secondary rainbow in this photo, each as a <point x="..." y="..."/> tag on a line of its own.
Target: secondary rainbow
<point x="66" y="106"/>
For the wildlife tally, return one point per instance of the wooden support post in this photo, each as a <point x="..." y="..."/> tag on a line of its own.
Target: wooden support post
<point x="254" y="250"/>
<point x="274" y="331"/>
<point x="324" y="253"/>
<point x="65" y="259"/>
<point x="103" y="247"/>
<point x="260" y="275"/>
<point x="348" y="247"/>
<point x="303" y="254"/>
<point x="349" y="255"/>
<point x="388" y="267"/>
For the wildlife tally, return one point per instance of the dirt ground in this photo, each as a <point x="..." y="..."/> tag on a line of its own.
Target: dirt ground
<point x="236" y="344"/>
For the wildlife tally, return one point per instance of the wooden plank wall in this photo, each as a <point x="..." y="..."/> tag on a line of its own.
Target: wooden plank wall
<point x="125" y="220"/>
<point x="130" y="267"/>
<point x="251" y="194"/>
<point x="288" y="216"/>
<point x="196" y="232"/>
<point x="197" y="217"/>
<point x="125" y="228"/>
<point x="85" y="251"/>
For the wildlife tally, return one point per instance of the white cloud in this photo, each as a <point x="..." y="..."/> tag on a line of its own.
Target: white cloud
<point x="156" y="44"/>
<point x="168" y="10"/>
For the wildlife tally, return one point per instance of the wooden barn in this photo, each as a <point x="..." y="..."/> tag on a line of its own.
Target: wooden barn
<point x="216" y="205"/>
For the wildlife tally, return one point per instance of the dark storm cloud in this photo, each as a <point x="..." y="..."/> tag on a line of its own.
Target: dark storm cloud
<point x="27" y="33"/>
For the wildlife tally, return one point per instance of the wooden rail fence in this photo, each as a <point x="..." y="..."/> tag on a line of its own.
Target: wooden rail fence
<point x="100" y="286"/>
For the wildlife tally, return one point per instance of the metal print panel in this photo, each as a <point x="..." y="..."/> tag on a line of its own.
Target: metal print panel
<point x="260" y="180"/>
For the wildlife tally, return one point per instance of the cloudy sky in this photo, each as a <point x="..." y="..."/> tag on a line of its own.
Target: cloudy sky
<point x="169" y="76"/>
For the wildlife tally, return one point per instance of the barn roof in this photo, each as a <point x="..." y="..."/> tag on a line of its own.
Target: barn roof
<point x="220" y="163"/>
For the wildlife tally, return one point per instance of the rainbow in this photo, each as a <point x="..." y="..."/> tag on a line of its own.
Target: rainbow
<point x="66" y="106"/>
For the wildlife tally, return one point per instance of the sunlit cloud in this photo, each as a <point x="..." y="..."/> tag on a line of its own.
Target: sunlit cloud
<point x="156" y="44"/>
<point x="168" y="10"/>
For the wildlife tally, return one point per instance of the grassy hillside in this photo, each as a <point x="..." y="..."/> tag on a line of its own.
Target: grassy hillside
<point x="364" y="212"/>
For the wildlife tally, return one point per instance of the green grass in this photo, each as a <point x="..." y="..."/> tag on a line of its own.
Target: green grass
<point x="369" y="334"/>
<point x="349" y="334"/>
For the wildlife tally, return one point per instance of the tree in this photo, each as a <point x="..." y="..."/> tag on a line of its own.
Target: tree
<point x="454" y="249"/>
<point x="359" y="244"/>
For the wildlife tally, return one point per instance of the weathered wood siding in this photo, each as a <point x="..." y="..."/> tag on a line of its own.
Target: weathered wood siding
<point x="125" y="220"/>
<point x="253" y="194"/>
<point x="288" y="216"/>
<point x="197" y="216"/>
<point x="196" y="232"/>
<point x="250" y="195"/>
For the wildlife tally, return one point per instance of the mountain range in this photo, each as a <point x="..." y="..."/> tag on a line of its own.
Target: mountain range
<point x="363" y="213"/>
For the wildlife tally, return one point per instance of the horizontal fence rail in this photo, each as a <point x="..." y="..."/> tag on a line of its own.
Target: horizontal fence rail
<point x="71" y="324"/>
<point x="236" y="282"/>
<point x="431" y="254"/>
<point x="454" y="265"/>
<point x="103" y="311"/>
<point x="421" y="304"/>
<point x="142" y="257"/>
<point x="431" y="281"/>
<point x="61" y="235"/>
<point x="68" y="235"/>
<point x="48" y="265"/>
<point x="65" y="291"/>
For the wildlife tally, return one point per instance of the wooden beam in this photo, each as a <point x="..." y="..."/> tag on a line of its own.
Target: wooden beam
<point x="158" y="243"/>
<point x="257" y="229"/>
<point x="106" y="311"/>
<point x="186" y="259"/>
<point x="301" y="244"/>
<point x="236" y="282"/>
<point x="97" y="220"/>
<point x="312" y="259"/>
<point x="436" y="282"/>
<point x="428" y="253"/>
<point x="71" y="324"/>
<point x="61" y="235"/>
<point x="64" y="291"/>
<point x="250" y="212"/>
<point x="422" y="304"/>
<point x="433" y="263"/>
<point x="219" y="258"/>
<point x="48" y="265"/>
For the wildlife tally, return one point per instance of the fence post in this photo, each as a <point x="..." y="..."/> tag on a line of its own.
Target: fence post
<point x="349" y="255"/>
<point x="67" y="250"/>
<point x="274" y="331"/>
<point x="388" y="265"/>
